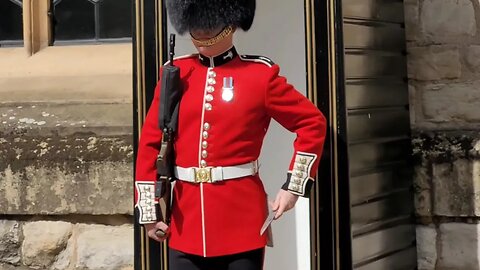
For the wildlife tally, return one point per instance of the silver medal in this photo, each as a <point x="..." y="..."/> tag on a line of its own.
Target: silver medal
<point x="227" y="89"/>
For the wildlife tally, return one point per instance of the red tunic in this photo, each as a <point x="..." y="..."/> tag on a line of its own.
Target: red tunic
<point x="213" y="219"/>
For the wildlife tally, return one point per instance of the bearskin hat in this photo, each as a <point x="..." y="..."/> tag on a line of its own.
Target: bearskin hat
<point x="187" y="15"/>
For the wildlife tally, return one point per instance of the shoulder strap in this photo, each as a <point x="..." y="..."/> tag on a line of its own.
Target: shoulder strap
<point x="258" y="59"/>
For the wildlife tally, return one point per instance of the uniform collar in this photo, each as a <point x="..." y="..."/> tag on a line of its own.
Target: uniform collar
<point x="218" y="60"/>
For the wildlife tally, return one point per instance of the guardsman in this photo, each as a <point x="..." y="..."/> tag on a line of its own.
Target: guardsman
<point x="219" y="202"/>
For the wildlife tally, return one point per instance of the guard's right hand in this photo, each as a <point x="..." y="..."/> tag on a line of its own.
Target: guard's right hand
<point x="154" y="227"/>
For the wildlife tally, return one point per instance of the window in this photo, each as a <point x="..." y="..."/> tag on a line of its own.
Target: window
<point x="92" y="20"/>
<point x="11" y="22"/>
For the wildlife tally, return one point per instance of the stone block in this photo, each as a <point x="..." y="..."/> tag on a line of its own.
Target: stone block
<point x="43" y="241"/>
<point x="456" y="188"/>
<point x="97" y="188"/>
<point x="434" y="63"/>
<point x="452" y="104"/>
<point x="447" y="21"/>
<point x="411" y="20"/>
<point x="459" y="246"/>
<point x="65" y="259"/>
<point x="9" y="242"/>
<point x="423" y="189"/>
<point x="104" y="247"/>
<point x="472" y="57"/>
<point x="426" y="247"/>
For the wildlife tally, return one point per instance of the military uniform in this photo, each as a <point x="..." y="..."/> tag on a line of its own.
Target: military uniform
<point x="220" y="134"/>
<point x="219" y="202"/>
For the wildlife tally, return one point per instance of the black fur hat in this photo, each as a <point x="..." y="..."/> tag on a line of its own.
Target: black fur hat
<point x="187" y="15"/>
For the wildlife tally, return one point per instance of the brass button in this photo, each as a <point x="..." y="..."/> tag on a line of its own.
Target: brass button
<point x="299" y="174"/>
<point x="210" y="89"/>
<point x="205" y="135"/>
<point x="209" y="97"/>
<point x="301" y="168"/>
<point x="206" y="126"/>
<point x="208" y="106"/>
<point x="212" y="74"/>
<point x="204" y="144"/>
<point x="211" y="81"/>
<point x="204" y="154"/>
<point x="203" y="163"/>
<point x="303" y="160"/>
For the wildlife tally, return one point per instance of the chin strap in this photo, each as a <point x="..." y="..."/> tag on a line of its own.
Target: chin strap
<point x="214" y="40"/>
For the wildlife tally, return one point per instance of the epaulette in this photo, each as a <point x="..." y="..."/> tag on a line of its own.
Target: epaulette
<point x="182" y="57"/>
<point x="257" y="58"/>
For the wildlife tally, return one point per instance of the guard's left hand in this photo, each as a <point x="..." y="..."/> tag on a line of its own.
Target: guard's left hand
<point x="283" y="202"/>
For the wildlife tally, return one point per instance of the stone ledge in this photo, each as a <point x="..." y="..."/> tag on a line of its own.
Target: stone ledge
<point x="447" y="175"/>
<point x="446" y="146"/>
<point x="47" y="119"/>
<point x="78" y="174"/>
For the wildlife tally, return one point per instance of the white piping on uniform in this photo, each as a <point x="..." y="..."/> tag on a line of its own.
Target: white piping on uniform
<point x="199" y="159"/>
<point x="260" y="59"/>
<point x="203" y="222"/>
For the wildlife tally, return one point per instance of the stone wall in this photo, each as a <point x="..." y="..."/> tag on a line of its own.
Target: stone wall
<point x="444" y="74"/>
<point x="66" y="192"/>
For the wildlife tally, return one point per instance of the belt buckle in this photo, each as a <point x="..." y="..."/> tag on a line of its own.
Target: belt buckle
<point x="203" y="175"/>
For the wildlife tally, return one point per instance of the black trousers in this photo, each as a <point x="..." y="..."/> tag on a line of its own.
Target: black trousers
<point x="250" y="260"/>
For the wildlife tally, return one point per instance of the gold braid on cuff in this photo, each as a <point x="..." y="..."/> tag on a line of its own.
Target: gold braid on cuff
<point x="214" y="40"/>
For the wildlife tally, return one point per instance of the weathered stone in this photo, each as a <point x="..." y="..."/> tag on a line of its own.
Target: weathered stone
<point x="447" y="20"/>
<point x="423" y="189"/>
<point x="64" y="260"/>
<point x="426" y="247"/>
<point x="43" y="241"/>
<point x="9" y="242"/>
<point x="97" y="188"/>
<point x="104" y="247"/>
<point x="459" y="246"/>
<point x="445" y="147"/>
<point x="66" y="119"/>
<point x="411" y="20"/>
<point x="13" y="267"/>
<point x="454" y="104"/>
<point x="456" y="188"/>
<point x="434" y="63"/>
<point x="472" y="57"/>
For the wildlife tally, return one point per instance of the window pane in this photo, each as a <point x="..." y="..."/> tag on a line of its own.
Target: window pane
<point x="115" y="18"/>
<point x="75" y="20"/>
<point x="11" y="23"/>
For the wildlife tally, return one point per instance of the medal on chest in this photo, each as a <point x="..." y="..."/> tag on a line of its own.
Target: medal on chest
<point x="227" y="89"/>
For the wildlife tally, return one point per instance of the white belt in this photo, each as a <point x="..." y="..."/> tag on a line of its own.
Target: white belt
<point x="215" y="174"/>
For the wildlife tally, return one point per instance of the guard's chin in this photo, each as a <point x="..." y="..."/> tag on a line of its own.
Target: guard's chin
<point x="207" y="51"/>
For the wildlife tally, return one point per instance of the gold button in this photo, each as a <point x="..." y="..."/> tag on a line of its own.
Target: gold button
<point x="208" y="106"/>
<point x="205" y="135"/>
<point x="211" y="81"/>
<point x="203" y="163"/>
<point x="303" y="160"/>
<point x="204" y="144"/>
<point x="212" y="74"/>
<point x="210" y="89"/>
<point x="208" y="97"/>
<point x="206" y="126"/>
<point x="204" y="154"/>
<point x="301" y="168"/>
